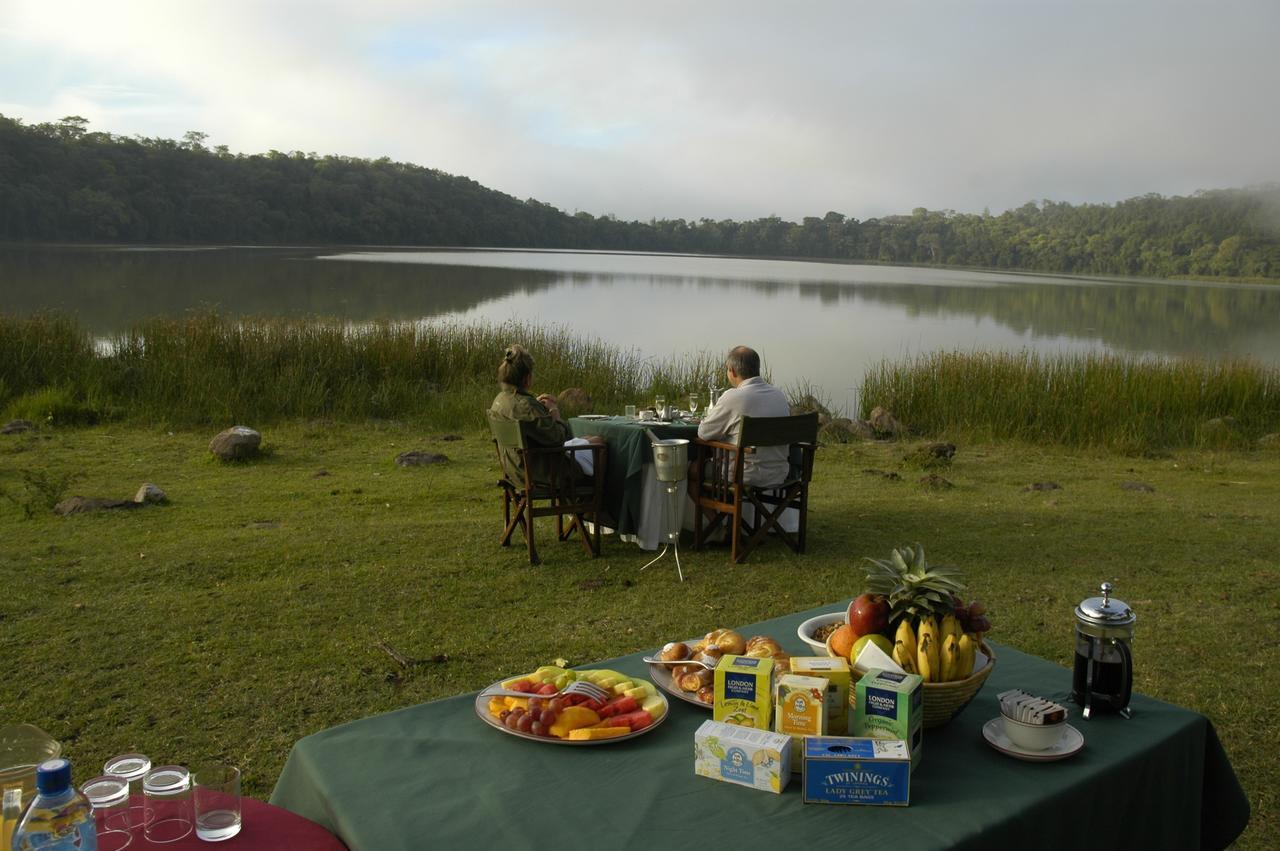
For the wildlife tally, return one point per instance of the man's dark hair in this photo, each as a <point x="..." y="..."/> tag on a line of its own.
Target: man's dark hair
<point x="743" y="361"/>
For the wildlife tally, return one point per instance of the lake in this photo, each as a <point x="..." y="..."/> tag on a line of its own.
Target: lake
<point x="821" y="323"/>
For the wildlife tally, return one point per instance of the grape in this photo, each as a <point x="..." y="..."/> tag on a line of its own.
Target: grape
<point x="536" y="728"/>
<point x="502" y="716"/>
<point x="525" y="723"/>
<point x="548" y="717"/>
<point x="512" y="721"/>
<point x="556" y="705"/>
<point x="535" y="705"/>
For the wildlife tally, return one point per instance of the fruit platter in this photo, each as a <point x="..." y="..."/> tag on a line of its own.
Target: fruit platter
<point x="693" y="679"/>
<point x="541" y="709"/>
<point x="913" y="612"/>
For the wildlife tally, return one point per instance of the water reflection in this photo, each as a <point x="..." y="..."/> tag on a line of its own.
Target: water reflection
<point x="821" y="322"/>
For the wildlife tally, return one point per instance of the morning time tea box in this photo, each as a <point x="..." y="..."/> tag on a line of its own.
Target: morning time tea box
<point x="846" y="770"/>
<point x="889" y="705"/>
<point x="744" y="692"/>
<point x="838" y="676"/>
<point x="759" y="759"/>
<point x="800" y="710"/>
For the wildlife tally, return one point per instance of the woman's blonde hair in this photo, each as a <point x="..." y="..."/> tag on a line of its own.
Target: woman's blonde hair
<point x="516" y="366"/>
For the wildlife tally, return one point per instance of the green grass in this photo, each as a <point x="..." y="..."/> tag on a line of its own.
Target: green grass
<point x="248" y="613"/>
<point x="1126" y="403"/>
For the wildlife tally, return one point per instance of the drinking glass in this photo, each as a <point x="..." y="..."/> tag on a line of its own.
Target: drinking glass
<point x="109" y="797"/>
<point x="166" y="804"/>
<point x="693" y="403"/>
<point x="132" y="767"/>
<point x="631" y="412"/>
<point x="660" y="406"/>
<point x="217" y="801"/>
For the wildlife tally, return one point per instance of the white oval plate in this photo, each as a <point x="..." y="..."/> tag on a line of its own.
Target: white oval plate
<point x="482" y="710"/>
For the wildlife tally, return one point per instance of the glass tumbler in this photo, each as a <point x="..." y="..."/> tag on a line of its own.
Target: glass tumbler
<point x="217" y="791"/>
<point x="166" y="801"/>
<point x="132" y="767"/>
<point x="109" y="796"/>
<point x="631" y="412"/>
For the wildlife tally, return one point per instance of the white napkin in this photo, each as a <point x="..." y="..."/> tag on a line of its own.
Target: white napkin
<point x="873" y="657"/>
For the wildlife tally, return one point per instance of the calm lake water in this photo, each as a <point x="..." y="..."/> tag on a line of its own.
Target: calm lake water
<point x="816" y="322"/>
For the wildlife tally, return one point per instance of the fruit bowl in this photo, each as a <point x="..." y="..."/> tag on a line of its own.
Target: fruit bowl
<point x="943" y="701"/>
<point x="807" y="630"/>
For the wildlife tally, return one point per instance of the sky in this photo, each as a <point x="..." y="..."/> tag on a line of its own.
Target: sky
<point x="690" y="109"/>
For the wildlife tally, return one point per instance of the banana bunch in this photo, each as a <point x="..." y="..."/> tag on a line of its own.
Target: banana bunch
<point x="939" y="653"/>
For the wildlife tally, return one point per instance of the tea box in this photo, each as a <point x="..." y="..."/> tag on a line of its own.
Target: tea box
<point x="889" y="705"/>
<point x="800" y="710"/>
<point x="847" y="770"/>
<point x="743" y="692"/>
<point x="759" y="759"/>
<point x="838" y="676"/>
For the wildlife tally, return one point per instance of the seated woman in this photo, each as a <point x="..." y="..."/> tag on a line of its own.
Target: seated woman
<point x="539" y="415"/>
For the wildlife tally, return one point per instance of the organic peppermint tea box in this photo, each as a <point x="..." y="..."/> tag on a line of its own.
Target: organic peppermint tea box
<point x="744" y="692"/>
<point x="889" y="705"/>
<point x="837" y="673"/>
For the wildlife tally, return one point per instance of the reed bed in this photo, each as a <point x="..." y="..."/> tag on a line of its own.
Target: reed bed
<point x="1116" y="401"/>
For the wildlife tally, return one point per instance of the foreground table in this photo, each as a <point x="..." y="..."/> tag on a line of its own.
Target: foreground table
<point x="436" y="774"/>
<point x="265" y="828"/>
<point x="630" y="490"/>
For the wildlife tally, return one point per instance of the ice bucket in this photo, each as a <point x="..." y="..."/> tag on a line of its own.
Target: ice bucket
<point x="671" y="459"/>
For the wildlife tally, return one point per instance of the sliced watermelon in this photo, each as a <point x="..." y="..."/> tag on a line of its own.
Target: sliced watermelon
<point x="619" y="706"/>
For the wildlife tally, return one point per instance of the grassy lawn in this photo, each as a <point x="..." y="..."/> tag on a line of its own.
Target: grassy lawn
<point x="250" y="611"/>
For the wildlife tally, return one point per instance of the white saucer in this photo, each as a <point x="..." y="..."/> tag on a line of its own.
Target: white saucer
<point x="1069" y="745"/>
<point x="593" y="416"/>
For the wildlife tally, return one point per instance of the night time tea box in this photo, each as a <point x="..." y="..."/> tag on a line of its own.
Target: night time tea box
<point x="755" y="758"/>
<point x="845" y="770"/>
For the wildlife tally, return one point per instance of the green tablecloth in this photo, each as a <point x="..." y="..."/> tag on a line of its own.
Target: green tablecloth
<point x="628" y="451"/>
<point x="434" y="775"/>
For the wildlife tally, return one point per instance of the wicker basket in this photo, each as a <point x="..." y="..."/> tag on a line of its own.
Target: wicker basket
<point x="943" y="701"/>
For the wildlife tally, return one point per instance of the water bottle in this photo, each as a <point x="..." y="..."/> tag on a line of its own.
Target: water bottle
<point x="59" y="818"/>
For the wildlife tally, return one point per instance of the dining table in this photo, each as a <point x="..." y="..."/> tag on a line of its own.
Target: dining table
<point x="437" y="775"/>
<point x="632" y="494"/>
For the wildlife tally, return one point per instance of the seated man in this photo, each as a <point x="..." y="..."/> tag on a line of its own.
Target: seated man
<point x="749" y="396"/>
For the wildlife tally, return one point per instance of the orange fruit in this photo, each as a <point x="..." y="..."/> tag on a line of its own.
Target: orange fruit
<point x="842" y="641"/>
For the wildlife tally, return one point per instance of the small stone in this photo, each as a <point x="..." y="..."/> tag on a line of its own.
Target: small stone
<point x="885" y="424"/>
<point x="1269" y="441"/>
<point x="449" y="437"/>
<point x="933" y="480"/>
<point x="320" y="474"/>
<point x="940" y="450"/>
<point x="1230" y="423"/>
<point x="149" y="493"/>
<point x="418" y="458"/>
<point x="1141" y="487"/>
<point x="17" y="427"/>
<point x="235" y="444"/>
<point x="890" y="475"/>
<point x="1043" y="486"/>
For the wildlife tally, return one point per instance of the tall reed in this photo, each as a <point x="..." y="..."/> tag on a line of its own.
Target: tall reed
<point x="1118" y="401"/>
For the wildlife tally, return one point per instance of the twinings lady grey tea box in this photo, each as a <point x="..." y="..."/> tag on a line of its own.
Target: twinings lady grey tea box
<point x="846" y="770"/>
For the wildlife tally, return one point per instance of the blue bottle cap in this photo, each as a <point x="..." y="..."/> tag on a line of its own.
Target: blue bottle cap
<point x="53" y="777"/>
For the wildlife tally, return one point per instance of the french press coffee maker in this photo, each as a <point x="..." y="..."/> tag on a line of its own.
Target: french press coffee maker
<point x="1103" y="676"/>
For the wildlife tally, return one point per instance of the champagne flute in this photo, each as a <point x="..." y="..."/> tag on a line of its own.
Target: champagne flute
<point x="693" y="404"/>
<point x="660" y="406"/>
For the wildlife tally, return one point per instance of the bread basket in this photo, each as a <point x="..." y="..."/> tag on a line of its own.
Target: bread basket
<point x="943" y="701"/>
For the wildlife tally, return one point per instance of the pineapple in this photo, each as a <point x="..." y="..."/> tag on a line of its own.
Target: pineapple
<point x="914" y="589"/>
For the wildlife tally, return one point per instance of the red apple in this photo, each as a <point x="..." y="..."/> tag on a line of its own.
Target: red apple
<point x="868" y="614"/>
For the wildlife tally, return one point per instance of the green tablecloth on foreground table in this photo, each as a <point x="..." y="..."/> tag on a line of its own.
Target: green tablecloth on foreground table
<point x="435" y="775"/>
<point x="628" y="452"/>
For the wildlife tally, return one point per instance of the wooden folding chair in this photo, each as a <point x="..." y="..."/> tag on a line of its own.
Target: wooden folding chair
<point x="719" y="493"/>
<point x="547" y="475"/>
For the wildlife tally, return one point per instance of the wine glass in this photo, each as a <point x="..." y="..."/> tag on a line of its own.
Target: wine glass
<point x="660" y="406"/>
<point x="693" y="404"/>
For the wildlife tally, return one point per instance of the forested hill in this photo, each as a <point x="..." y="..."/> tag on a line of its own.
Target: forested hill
<point x="61" y="182"/>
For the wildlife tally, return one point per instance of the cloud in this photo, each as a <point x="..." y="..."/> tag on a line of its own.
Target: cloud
<point x="673" y="109"/>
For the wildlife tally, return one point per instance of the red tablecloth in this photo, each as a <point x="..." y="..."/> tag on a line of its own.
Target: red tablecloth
<point x="264" y="827"/>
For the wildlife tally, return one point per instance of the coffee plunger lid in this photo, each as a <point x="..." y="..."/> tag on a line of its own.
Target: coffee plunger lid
<point x="1105" y="610"/>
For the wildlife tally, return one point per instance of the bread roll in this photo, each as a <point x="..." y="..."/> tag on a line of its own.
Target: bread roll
<point x="696" y="680"/>
<point x="674" y="651"/>
<point x="727" y="640"/>
<point x="763" y="646"/>
<point x="707" y="694"/>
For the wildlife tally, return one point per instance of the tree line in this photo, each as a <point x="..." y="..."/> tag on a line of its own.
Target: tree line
<point x="59" y="181"/>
